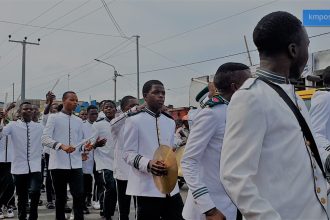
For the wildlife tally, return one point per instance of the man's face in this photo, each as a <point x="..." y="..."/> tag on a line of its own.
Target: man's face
<point x="53" y="108"/>
<point x="155" y="98"/>
<point x="130" y="104"/>
<point x="83" y="115"/>
<point x="92" y="115"/>
<point x="26" y="112"/>
<point x="299" y="62"/>
<point x="70" y="102"/>
<point x="36" y="112"/>
<point x="109" y="110"/>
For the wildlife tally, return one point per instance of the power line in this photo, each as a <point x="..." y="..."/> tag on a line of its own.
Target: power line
<point x="35" y="18"/>
<point x="210" y="23"/>
<point x="318" y="35"/>
<point x="75" y="20"/>
<point x="60" y="29"/>
<point x="62" y="16"/>
<point x="120" y="31"/>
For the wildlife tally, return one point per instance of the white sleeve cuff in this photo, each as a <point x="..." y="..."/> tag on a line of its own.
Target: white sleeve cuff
<point x="143" y="164"/>
<point x="203" y="201"/>
<point x="57" y="146"/>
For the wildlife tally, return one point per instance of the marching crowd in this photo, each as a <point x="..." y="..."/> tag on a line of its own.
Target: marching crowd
<point x="252" y="150"/>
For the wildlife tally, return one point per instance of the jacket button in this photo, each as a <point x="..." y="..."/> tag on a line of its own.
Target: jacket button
<point x="318" y="190"/>
<point x="323" y="201"/>
<point x="315" y="177"/>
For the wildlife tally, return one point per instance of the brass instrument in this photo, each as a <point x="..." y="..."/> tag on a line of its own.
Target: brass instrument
<point x="166" y="183"/>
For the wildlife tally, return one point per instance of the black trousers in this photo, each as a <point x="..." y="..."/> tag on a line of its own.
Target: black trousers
<point x="7" y="187"/>
<point x="88" y="187"/>
<point x="97" y="189"/>
<point x="169" y="208"/>
<point x="49" y="183"/>
<point x="74" y="178"/>
<point x="28" y="185"/>
<point x="109" y="195"/>
<point x="124" y="201"/>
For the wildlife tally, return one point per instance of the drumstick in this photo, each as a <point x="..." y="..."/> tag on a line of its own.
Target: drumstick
<point x="82" y="142"/>
<point x="57" y="81"/>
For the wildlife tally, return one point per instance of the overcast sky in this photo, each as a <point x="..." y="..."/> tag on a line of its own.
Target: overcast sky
<point x="209" y="29"/>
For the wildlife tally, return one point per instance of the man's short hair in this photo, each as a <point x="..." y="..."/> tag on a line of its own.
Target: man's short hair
<point x="148" y="85"/>
<point x="24" y="103"/>
<point x="109" y="101"/>
<point x="124" y="101"/>
<point x="276" y="31"/>
<point x="91" y="107"/>
<point x="326" y="76"/>
<point x="226" y="75"/>
<point x="66" y="94"/>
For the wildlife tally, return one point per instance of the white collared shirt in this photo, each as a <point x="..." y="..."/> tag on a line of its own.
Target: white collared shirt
<point x="121" y="168"/>
<point x="88" y="164"/>
<point x="26" y="143"/>
<point x="103" y="156"/>
<point x="6" y="150"/>
<point x="63" y="129"/>
<point x="320" y="117"/>
<point x="201" y="164"/>
<point x="140" y="144"/>
<point x="266" y="167"/>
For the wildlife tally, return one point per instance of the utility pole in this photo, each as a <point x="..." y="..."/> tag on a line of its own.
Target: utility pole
<point x="13" y="92"/>
<point x="24" y="43"/>
<point x="116" y="74"/>
<point x="68" y="82"/>
<point x="248" y="52"/>
<point x="137" y="66"/>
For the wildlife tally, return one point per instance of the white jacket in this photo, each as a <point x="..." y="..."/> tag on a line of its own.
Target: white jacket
<point x="26" y="143"/>
<point x="320" y="117"/>
<point x="201" y="164"/>
<point x="140" y="144"/>
<point x="266" y="167"/>
<point x="63" y="129"/>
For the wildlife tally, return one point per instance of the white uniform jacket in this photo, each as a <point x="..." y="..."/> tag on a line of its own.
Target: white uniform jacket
<point x="26" y="143"/>
<point x="201" y="164"/>
<point x="63" y="129"/>
<point x="103" y="156"/>
<point x="320" y="117"/>
<point x="6" y="150"/>
<point x="121" y="168"/>
<point x="140" y="143"/>
<point x="266" y="167"/>
<point x="88" y="164"/>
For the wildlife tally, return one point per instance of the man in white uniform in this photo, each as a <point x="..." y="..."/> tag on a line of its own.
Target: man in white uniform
<point x="26" y="165"/>
<point x="104" y="157"/>
<point x="207" y="198"/>
<point x="121" y="168"/>
<point x="320" y="113"/>
<point x="7" y="187"/>
<point x="267" y="167"/>
<point x="62" y="133"/>
<point x="144" y="132"/>
<point x="88" y="165"/>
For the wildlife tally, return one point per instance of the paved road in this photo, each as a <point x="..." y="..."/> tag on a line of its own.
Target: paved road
<point x="46" y="214"/>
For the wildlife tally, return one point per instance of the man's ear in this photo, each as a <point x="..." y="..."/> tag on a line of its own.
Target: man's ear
<point x="292" y="50"/>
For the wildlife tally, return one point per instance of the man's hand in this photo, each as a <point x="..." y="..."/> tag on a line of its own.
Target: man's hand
<point x="50" y="97"/>
<point x="140" y="107"/>
<point x="88" y="146"/>
<point x="157" y="167"/>
<point x="67" y="148"/>
<point x="84" y="156"/>
<point x="100" y="142"/>
<point x="214" y="214"/>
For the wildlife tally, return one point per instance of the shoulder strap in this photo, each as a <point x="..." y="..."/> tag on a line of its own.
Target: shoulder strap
<point x="302" y="122"/>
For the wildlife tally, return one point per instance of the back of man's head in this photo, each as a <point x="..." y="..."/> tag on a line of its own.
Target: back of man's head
<point x="326" y="76"/>
<point x="275" y="32"/>
<point x="230" y="73"/>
